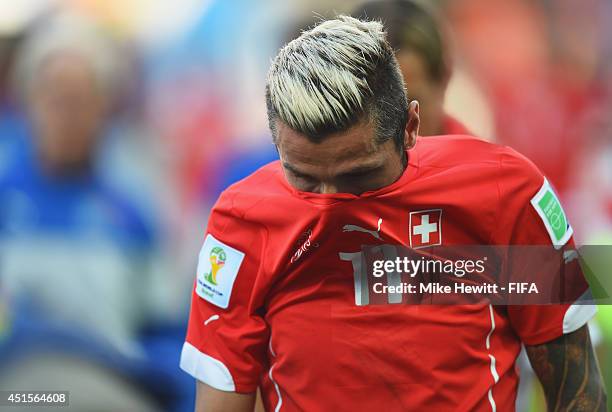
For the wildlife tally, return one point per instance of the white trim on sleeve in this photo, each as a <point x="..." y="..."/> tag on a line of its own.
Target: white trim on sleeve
<point x="206" y="369"/>
<point x="577" y="316"/>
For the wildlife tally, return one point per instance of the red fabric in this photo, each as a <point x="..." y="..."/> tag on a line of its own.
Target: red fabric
<point x="454" y="126"/>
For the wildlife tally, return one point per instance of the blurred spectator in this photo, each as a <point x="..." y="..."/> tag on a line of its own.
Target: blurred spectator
<point x="52" y="195"/>
<point x="540" y="63"/>
<point x="74" y="251"/>
<point x="418" y="36"/>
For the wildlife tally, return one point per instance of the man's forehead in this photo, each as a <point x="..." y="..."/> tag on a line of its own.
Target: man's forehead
<point x="354" y="144"/>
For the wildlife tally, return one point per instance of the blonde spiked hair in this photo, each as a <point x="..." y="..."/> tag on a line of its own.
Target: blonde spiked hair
<point x="327" y="79"/>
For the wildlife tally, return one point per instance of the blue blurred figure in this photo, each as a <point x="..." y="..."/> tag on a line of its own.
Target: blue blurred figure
<point x="75" y="253"/>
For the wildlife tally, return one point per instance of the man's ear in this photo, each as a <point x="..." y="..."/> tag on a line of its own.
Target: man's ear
<point x="412" y="125"/>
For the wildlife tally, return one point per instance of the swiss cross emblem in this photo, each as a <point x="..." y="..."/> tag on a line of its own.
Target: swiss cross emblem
<point x="425" y="228"/>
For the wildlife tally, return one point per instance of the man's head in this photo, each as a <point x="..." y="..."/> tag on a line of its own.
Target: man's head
<point x="338" y="109"/>
<point x="66" y="72"/>
<point x="417" y="37"/>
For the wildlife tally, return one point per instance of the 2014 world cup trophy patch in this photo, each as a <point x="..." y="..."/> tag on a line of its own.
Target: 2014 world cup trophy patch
<point x="218" y="266"/>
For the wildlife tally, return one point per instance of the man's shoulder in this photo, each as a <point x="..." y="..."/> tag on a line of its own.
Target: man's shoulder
<point x="450" y="150"/>
<point x="264" y="184"/>
<point x="465" y="151"/>
<point x="265" y="179"/>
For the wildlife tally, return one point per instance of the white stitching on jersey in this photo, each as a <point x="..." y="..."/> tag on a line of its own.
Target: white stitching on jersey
<point x="280" y="398"/>
<point x="492" y="359"/>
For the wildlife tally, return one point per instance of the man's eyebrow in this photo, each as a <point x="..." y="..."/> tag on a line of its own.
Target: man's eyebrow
<point x="294" y="170"/>
<point x="361" y="169"/>
<point x="356" y="171"/>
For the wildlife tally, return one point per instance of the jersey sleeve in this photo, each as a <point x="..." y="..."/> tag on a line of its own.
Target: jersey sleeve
<point x="226" y="335"/>
<point x="531" y="214"/>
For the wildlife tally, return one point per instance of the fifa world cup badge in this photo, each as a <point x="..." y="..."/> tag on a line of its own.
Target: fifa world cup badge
<point x="218" y="266"/>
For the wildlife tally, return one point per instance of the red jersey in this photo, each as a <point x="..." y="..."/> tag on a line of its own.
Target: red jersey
<point x="276" y="303"/>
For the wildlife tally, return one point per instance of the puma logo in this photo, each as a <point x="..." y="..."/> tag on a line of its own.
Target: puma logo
<point x="355" y="228"/>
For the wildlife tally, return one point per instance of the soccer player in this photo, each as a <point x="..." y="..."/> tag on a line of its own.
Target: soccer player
<point x="276" y="304"/>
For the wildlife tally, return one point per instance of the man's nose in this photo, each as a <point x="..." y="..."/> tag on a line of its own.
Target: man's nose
<point x="326" y="188"/>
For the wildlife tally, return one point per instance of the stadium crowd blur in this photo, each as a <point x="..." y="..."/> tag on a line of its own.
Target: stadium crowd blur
<point x="121" y="122"/>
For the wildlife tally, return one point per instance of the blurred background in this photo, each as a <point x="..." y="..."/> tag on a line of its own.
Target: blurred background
<point x="122" y="121"/>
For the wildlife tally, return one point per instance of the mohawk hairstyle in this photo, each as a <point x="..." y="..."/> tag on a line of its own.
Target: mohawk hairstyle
<point x="335" y="75"/>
